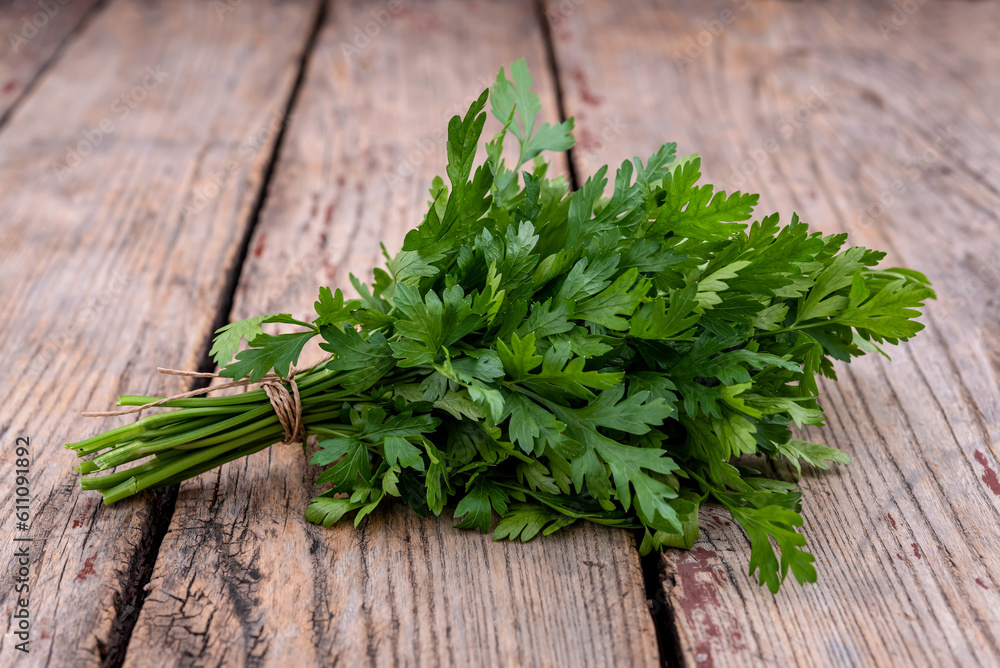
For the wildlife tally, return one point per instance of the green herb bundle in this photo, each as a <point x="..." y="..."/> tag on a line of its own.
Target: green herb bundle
<point x="550" y="356"/>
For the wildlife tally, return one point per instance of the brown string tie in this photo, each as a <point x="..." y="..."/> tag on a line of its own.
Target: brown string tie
<point x="287" y="405"/>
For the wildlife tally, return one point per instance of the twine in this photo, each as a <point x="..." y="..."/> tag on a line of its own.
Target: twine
<point x="287" y="405"/>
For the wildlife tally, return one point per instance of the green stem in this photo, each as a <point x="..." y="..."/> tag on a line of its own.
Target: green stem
<point x="167" y="470"/>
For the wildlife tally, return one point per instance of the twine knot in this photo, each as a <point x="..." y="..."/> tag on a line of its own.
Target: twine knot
<point x="287" y="405"/>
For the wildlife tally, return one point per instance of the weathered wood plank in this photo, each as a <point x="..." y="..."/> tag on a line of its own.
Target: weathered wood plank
<point x="31" y="32"/>
<point x="241" y="578"/>
<point x="823" y="109"/>
<point x="111" y="266"/>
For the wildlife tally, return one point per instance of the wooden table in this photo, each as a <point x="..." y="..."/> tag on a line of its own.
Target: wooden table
<point x="167" y="167"/>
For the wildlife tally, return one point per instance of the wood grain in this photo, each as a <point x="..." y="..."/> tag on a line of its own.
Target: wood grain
<point x="861" y="104"/>
<point x="112" y="270"/>
<point x="241" y="578"/>
<point x="31" y="34"/>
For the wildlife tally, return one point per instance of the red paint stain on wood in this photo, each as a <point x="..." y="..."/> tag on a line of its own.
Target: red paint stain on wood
<point x="88" y="569"/>
<point x="258" y="249"/>
<point x="982" y="584"/>
<point x="430" y="24"/>
<point x="586" y="139"/>
<point x="9" y="86"/>
<point x="916" y="550"/>
<point x="84" y="517"/>
<point x="586" y="94"/>
<point x="735" y="635"/>
<point x="899" y="556"/>
<point x="699" y="583"/>
<point x="561" y="32"/>
<point x="989" y="475"/>
<point x="892" y="521"/>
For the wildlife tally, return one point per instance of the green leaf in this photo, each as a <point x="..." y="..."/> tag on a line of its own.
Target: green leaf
<point x="399" y="451"/>
<point x="228" y="338"/>
<point x="687" y="509"/>
<point x="532" y="427"/>
<point x="657" y="320"/>
<point x="353" y="466"/>
<point x="514" y="96"/>
<point x="267" y="352"/>
<point x="431" y="322"/>
<point x="815" y="454"/>
<point x="520" y="357"/>
<point x="327" y="511"/>
<point x="692" y="211"/>
<point x="367" y="359"/>
<point x="608" y="307"/>
<point x="524" y="521"/>
<point x="822" y="301"/>
<point x="633" y="415"/>
<point x="629" y="466"/>
<point x="547" y="319"/>
<point x="558" y="369"/>
<point x="779" y="524"/>
<point x="475" y="508"/>
<point x="410" y="266"/>
<point x="332" y="309"/>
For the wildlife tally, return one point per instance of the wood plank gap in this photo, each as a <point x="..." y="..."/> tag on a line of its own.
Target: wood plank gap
<point x="653" y="571"/>
<point x="141" y="569"/>
<point x="52" y="60"/>
<point x="242" y="578"/>
<point x="654" y="574"/>
<point x="553" y="65"/>
<point x="225" y="309"/>
<point x="139" y="572"/>
<point x="110" y="276"/>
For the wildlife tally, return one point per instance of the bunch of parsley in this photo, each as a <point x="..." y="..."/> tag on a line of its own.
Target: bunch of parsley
<point x="549" y="356"/>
